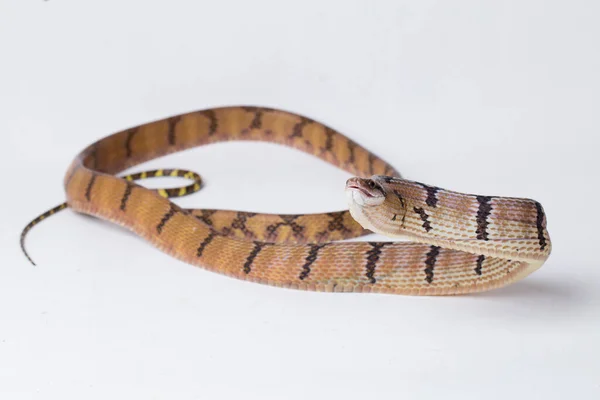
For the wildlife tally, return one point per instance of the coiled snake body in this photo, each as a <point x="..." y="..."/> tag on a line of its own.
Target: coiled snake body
<point x="460" y="243"/>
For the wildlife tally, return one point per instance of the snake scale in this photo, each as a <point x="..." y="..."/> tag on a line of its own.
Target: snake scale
<point x="459" y="243"/>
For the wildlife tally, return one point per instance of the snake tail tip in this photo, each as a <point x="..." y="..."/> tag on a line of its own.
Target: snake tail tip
<point x="27" y="255"/>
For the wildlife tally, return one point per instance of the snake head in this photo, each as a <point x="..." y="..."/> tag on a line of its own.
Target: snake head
<point x="373" y="203"/>
<point x="364" y="192"/>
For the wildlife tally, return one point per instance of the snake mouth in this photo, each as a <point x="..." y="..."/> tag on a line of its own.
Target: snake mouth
<point x="360" y="189"/>
<point x="364" y="192"/>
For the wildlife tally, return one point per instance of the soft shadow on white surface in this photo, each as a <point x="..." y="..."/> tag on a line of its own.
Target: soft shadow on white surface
<point x="531" y="288"/>
<point x="537" y="297"/>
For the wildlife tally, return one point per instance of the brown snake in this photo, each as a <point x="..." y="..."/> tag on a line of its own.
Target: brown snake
<point x="460" y="243"/>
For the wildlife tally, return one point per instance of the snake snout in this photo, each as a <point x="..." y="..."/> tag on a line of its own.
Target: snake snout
<point x="364" y="192"/>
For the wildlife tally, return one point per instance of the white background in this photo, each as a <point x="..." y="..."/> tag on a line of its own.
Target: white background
<point x="495" y="98"/>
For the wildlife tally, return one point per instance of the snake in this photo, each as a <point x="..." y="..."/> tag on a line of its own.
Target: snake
<point x="451" y="243"/>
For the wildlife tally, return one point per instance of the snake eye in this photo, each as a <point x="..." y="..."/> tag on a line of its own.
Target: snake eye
<point x="371" y="184"/>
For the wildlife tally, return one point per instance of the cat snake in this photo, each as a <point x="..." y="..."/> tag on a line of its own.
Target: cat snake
<point x="459" y="243"/>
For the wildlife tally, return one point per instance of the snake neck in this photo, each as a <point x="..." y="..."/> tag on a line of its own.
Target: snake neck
<point x="510" y="228"/>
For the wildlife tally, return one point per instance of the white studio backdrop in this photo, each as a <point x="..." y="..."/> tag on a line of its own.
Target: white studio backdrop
<point x="495" y="98"/>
